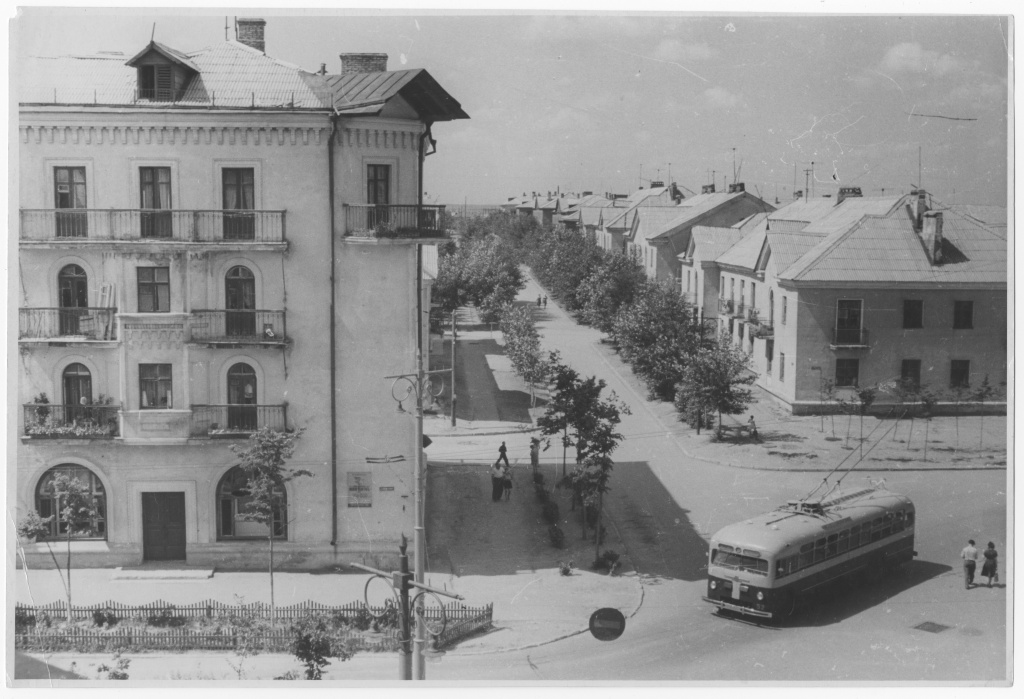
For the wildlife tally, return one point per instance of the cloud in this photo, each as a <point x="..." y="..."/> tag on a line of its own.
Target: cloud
<point x="719" y="98"/>
<point x="912" y="58"/>
<point x="675" y="50"/>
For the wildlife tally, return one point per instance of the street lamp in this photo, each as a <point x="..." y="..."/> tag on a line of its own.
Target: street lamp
<point x="400" y="583"/>
<point x="420" y="387"/>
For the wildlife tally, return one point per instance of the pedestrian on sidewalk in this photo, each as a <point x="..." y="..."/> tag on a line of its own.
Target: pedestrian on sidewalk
<point x="989" y="568"/>
<point x="538" y="300"/>
<point x="497" y="481"/>
<point x="970" y="556"/>
<point x="534" y="453"/>
<point x="502" y="454"/>
<point x="507" y="482"/>
<point x="752" y="428"/>
<point x="545" y="302"/>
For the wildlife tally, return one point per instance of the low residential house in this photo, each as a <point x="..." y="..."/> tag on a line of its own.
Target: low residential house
<point x="699" y="276"/>
<point x="617" y="219"/>
<point x="213" y="242"/>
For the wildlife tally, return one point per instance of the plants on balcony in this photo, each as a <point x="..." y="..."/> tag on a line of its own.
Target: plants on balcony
<point x="55" y="429"/>
<point x="762" y="332"/>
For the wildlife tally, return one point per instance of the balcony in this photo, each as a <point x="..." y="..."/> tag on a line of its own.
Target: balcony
<point x="849" y="337"/>
<point x="193" y="226"/>
<point x="47" y="421"/>
<point x="227" y="421"/>
<point x="738" y="309"/>
<point x="753" y="316"/>
<point x="238" y="327"/>
<point x="68" y="324"/>
<point x="394" y="221"/>
<point x="725" y="306"/>
<point x="763" y="331"/>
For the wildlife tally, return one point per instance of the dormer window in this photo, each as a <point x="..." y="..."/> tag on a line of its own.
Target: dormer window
<point x="156" y="83"/>
<point x="163" y="73"/>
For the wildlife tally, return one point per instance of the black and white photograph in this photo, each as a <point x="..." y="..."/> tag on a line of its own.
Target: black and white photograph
<point x="529" y="346"/>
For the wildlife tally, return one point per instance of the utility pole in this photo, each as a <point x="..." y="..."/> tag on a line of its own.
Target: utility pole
<point x="454" y="341"/>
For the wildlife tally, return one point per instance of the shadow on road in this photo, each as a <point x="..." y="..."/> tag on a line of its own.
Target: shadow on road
<point x="28" y="668"/>
<point x="851" y="597"/>
<point x="479" y="398"/>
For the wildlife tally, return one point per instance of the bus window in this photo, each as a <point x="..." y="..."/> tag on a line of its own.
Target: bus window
<point x="910" y="518"/>
<point x="833" y="545"/>
<point x="897" y="524"/>
<point x="726" y="548"/>
<point x="739" y="561"/>
<point x="785" y="566"/>
<point x="806" y="555"/>
<point x="855" y="536"/>
<point x="844" y="542"/>
<point x="819" y="550"/>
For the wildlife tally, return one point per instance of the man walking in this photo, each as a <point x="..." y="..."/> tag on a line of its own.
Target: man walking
<point x="538" y="301"/>
<point x="534" y="452"/>
<point x="502" y="454"/>
<point x="545" y="302"/>
<point x="970" y="556"/>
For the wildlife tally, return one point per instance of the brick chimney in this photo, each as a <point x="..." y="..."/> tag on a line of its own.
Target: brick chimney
<point x="363" y="63"/>
<point x="846" y="193"/>
<point x="249" y="31"/>
<point x="931" y="236"/>
<point x="918" y="206"/>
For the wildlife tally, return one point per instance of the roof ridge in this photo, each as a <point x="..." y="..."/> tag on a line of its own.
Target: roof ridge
<point x="815" y="254"/>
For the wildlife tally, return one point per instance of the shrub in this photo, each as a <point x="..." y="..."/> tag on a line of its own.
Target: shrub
<point x="565" y="568"/>
<point x="550" y="512"/>
<point x="166" y="619"/>
<point x="556" y="535"/>
<point x="362" y="620"/>
<point x="120" y="669"/>
<point x="104" y="617"/>
<point x="23" y="618"/>
<point x="608" y="560"/>
<point x="311" y="644"/>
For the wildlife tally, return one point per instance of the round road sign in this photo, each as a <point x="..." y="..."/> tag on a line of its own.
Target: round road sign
<point x="607" y="624"/>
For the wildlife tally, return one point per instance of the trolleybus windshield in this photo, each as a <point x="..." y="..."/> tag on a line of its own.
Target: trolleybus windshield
<point x="739" y="561"/>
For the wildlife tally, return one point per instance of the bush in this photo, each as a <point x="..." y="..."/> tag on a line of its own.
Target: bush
<point x="165" y="619"/>
<point x="550" y="512"/>
<point x="104" y="617"/>
<point x="606" y="561"/>
<point x="565" y="568"/>
<point x="362" y="620"/>
<point x="312" y="645"/>
<point x="23" y="618"/>
<point x="556" y="535"/>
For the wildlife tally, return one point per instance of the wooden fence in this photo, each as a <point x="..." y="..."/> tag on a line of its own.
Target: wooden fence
<point x="30" y="634"/>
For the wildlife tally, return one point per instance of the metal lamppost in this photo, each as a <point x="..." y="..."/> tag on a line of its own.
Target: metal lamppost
<point x="418" y="386"/>
<point x="400" y="582"/>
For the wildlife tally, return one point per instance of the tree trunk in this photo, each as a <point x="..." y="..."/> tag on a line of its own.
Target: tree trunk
<point x="849" y="420"/>
<point x="273" y="615"/>
<point x="69" y="572"/>
<point x="910" y="434"/>
<point x="862" y="435"/>
<point x="981" y="431"/>
<point x="597" y="529"/>
<point x="956" y="417"/>
<point x="927" y="422"/>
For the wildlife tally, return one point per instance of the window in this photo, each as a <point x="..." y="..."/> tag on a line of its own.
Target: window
<point x="155" y="387"/>
<point x="732" y="289"/>
<point x="847" y="371"/>
<point x="73" y="297"/>
<point x="240" y="302"/>
<point x="156" y="83"/>
<point x="378" y="193"/>
<point x="239" y="200"/>
<point x="913" y="314"/>
<point x="687" y="281"/>
<point x="753" y="295"/>
<point x="233" y="498"/>
<point x="360" y="493"/>
<point x="154" y="289"/>
<point x="782" y="366"/>
<point x="910" y="372"/>
<point x="69" y="193"/>
<point x="963" y="315"/>
<point x="960" y="373"/>
<point x="47" y="503"/>
<point x="77" y="392"/>
<point x="242" y="407"/>
<point x="848" y="321"/>
<point x="783" y="310"/>
<point x="722" y="290"/>
<point x="154" y="198"/>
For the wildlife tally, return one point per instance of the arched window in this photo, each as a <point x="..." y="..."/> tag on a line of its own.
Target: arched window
<point x="240" y="302"/>
<point x="232" y="500"/>
<point x="77" y="392"/>
<point x="72" y="297"/>
<point x="48" y="504"/>
<point x="242" y="397"/>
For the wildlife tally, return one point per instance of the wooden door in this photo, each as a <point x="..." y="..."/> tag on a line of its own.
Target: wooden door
<point x="163" y="526"/>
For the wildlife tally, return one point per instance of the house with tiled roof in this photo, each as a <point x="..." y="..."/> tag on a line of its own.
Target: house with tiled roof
<point x="212" y="242"/>
<point x="871" y="291"/>
<point x="617" y="220"/>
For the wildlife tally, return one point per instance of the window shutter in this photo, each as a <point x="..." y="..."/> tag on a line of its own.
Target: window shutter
<point x="164" y="83"/>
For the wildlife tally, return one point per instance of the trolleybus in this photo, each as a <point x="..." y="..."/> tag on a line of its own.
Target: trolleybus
<point x="760" y="567"/>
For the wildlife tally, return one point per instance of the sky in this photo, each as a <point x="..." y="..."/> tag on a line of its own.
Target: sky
<point x="608" y="102"/>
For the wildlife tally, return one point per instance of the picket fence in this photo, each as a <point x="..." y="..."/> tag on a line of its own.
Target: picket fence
<point x="461" y="621"/>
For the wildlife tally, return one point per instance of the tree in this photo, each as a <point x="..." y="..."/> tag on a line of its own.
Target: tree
<point x="76" y="510"/>
<point x="522" y="346"/>
<point x="959" y="393"/>
<point x="715" y="379"/>
<point x="928" y="400"/>
<point x="482" y="270"/>
<point x="263" y="460"/>
<point x="558" y="415"/>
<point x="612" y="285"/>
<point x="865" y="397"/>
<point x="985" y="391"/>
<point x="312" y="645"/>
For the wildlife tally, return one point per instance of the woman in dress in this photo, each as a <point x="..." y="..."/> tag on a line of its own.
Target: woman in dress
<point x="497" y="481"/>
<point x="507" y="481"/>
<point x="989" y="569"/>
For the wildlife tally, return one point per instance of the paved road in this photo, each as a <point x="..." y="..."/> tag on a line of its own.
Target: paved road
<point x="665" y="504"/>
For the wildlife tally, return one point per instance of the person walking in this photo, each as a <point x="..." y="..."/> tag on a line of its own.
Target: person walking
<point x="502" y="454"/>
<point x="752" y="428"/>
<point x="507" y="482"/>
<point x="989" y="568"/>
<point x="545" y="302"/>
<point x="534" y="453"/>
<point x="497" y="481"/>
<point x="970" y="556"/>
<point x="538" y="301"/>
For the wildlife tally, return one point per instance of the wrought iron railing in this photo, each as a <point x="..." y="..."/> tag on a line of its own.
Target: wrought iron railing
<point x="217" y="420"/>
<point x="88" y="323"/>
<point x="738" y="309"/>
<point x="52" y="421"/>
<point x="394" y="221"/>
<point x="203" y="226"/>
<point x="724" y="306"/>
<point x="238" y="326"/>
<point x="850" y="337"/>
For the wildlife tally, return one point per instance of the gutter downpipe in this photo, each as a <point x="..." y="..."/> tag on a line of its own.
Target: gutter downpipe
<point x="334" y="371"/>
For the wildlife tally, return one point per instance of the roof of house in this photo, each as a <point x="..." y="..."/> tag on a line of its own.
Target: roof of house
<point x="852" y="210"/>
<point x="658" y="221"/>
<point x="709" y="242"/>
<point x="888" y="249"/>
<point x="746" y="252"/>
<point x="992" y="216"/>
<point x="233" y="75"/>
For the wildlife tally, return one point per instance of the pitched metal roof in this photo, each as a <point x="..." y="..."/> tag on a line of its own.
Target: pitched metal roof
<point x="167" y="52"/>
<point x="658" y="221"/>
<point x="888" y="249"/>
<point x="690" y="210"/>
<point x="746" y="252"/>
<point x="852" y="210"/>
<point x="709" y="242"/>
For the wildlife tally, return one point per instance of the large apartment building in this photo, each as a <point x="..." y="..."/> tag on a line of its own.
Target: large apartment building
<point x="211" y="242"/>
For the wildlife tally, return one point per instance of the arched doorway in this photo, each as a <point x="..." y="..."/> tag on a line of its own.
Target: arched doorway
<point x="240" y="301"/>
<point x="242" y="398"/>
<point x="73" y="298"/>
<point x="233" y="497"/>
<point x="49" y="503"/>
<point x="77" y="392"/>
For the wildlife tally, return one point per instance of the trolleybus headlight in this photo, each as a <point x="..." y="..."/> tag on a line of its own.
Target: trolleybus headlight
<point x="714" y="585"/>
<point x="760" y="596"/>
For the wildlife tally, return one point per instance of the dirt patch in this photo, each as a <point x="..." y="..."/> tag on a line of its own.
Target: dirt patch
<point x="792" y="455"/>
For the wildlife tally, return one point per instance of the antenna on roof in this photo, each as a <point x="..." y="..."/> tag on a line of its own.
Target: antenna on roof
<point x="225" y="27"/>
<point x="153" y="33"/>
<point x="919" y="180"/>
<point x="734" y="165"/>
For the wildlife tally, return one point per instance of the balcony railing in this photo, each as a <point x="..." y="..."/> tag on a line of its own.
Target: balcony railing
<point x="753" y="315"/>
<point x="724" y="306"/>
<point x="203" y="226"/>
<point x="48" y="421"/>
<point x="738" y="309"/>
<point x="850" y="337"/>
<point x="70" y="323"/>
<point x="394" y="221"/>
<point x="238" y="326"/>
<point x="236" y="420"/>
